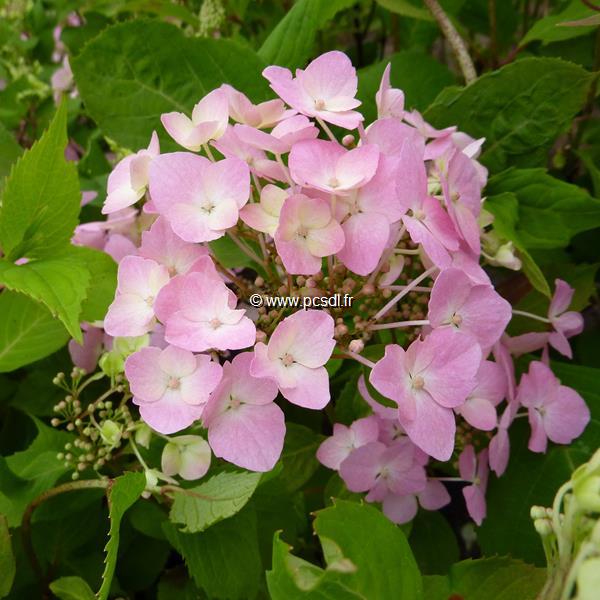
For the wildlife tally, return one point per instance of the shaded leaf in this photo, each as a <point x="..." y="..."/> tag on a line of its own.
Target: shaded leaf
<point x="7" y="559"/>
<point x="72" y="588"/>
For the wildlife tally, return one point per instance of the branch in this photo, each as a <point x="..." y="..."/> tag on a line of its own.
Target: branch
<point x="456" y="42"/>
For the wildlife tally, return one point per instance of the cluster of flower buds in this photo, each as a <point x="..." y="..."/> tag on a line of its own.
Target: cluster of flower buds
<point x="570" y="533"/>
<point x="391" y="213"/>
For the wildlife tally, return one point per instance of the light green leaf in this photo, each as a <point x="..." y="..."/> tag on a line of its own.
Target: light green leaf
<point x="508" y="528"/>
<point x="552" y="29"/>
<point x="220" y="497"/>
<point x="551" y="211"/>
<point x="505" y="208"/>
<point x="225" y="559"/>
<point x="291" y="43"/>
<point x="28" y="331"/>
<point x="9" y="152"/>
<point x="365" y="537"/>
<point x="59" y="283"/>
<point x="7" y="559"/>
<point x="103" y="282"/>
<point x="520" y="109"/>
<point x="41" y="198"/>
<point x="500" y="578"/>
<point x="72" y="588"/>
<point x="293" y="577"/>
<point x="123" y="492"/>
<point x="135" y="71"/>
<point x="418" y="75"/>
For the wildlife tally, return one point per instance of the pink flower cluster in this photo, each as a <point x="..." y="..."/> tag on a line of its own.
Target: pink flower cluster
<point x="397" y="208"/>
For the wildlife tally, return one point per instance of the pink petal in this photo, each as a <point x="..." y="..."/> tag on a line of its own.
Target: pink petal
<point x="311" y="391"/>
<point x="146" y="379"/>
<point x="359" y="471"/>
<point x="400" y="509"/>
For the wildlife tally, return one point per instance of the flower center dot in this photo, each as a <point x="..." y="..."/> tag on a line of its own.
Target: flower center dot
<point x="173" y="383"/>
<point x="456" y="320"/>
<point x="320" y="104"/>
<point x="215" y="323"/>
<point x="418" y="383"/>
<point x="287" y="360"/>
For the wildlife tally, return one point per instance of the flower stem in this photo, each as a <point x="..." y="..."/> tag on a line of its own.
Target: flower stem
<point x="246" y="250"/>
<point x="209" y="153"/>
<point x="416" y="288"/>
<point x="399" y="324"/>
<point x="405" y="291"/>
<point x="361" y="359"/>
<point x="524" y="313"/>
<point x="456" y="42"/>
<point x="326" y="129"/>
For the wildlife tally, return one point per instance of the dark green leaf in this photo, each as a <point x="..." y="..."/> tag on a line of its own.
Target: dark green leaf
<point x="129" y="75"/>
<point x="433" y="542"/>
<point x="520" y="109"/>
<point x="9" y="152"/>
<point x="7" y="558"/>
<point x="298" y="456"/>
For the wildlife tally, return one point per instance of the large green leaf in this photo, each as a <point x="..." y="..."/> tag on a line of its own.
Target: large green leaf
<point x="534" y="478"/>
<point x="299" y="456"/>
<point x="7" y="558"/>
<point x="418" y="75"/>
<point x="405" y="8"/>
<point x="550" y="211"/>
<point x="224" y="560"/>
<point x="72" y="588"/>
<point x="41" y="198"/>
<point x="9" y="152"/>
<point x="520" y="109"/>
<point x="122" y="494"/>
<point x="291" y="43"/>
<point x="28" y="331"/>
<point x="59" y="283"/>
<point x="505" y="208"/>
<point x="500" y="578"/>
<point x="219" y="498"/>
<point x="433" y="542"/>
<point x="136" y="70"/>
<point x="385" y="566"/>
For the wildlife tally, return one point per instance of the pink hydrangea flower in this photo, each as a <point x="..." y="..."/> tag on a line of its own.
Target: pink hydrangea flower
<point x="328" y="167"/>
<point x="402" y="509"/>
<point x="427" y="381"/>
<point x="326" y="89"/>
<point x="245" y="426"/>
<point x="381" y="470"/>
<point x="132" y="311"/>
<point x="129" y="179"/>
<point x="479" y="409"/>
<point x="475" y="309"/>
<point x="171" y="386"/>
<point x="263" y="115"/>
<point x="199" y="199"/>
<point x="335" y="449"/>
<point x="187" y="456"/>
<point x="367" y="214"/>
<point x="209" y="121"/>
<point x="389" y="100"/>
<point x="475" y="470"/>
<point x="556" y="412"/>
<point x="306" y="233"/>
<point x="86" y="355"/>
<point x="295" y="357"/>
<point x="565" y="323"/>
<point x="198" y="311"/>
<point x="162" y="245"/>
<point x="264" y="215"/>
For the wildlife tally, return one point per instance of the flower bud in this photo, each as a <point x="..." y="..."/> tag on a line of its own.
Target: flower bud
<point x="143" y="434"/>
<point x="586" y="484"/>
<point x="588" y="579"/>
<point x="110" y="433"/>
<point x="151" y="479"/>
<point x="170" y="461"/>
<point x="356" y="346"/>
<point x="188" y="456"/>
<point x="543" y="527"/>
<point x="111" y="363"/>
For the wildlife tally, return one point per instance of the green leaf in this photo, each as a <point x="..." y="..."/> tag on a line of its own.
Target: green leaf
<point x="534" y="478"/>
<point x="551" y="211"/>
<point x="220" y="497"/>
<point x="7" y="559"/>
<point x="418" y="75"/>
<point x="123" y="492"/>
<point x="298" y="456"/>
<point x="500" y="578"/>
<point x="41" y="199"/>
<point x="72" y="588"/>
<point x="405" y="8"/>
<point x="552" y="29"/>
<point x="291" y="43"/>
<point x="505" y="208"/>
<point x="520" y="109"/>
<point x="229" y="254"/>
<point x="129" y="75"/>
<point x="433" y="542"/>
<point x="9" y="152"/>
<point x="103" y="283"/>
<point x="26" y="474"/>
<point x="28" y="331"/>
<point x="59" y="283"/>
<point x="366" y="537"/>
<point x="293" y="577"/>
<point x="224" y="560"/>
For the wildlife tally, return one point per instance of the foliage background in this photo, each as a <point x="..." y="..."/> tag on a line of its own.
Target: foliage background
<point x="535" y="101"/>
